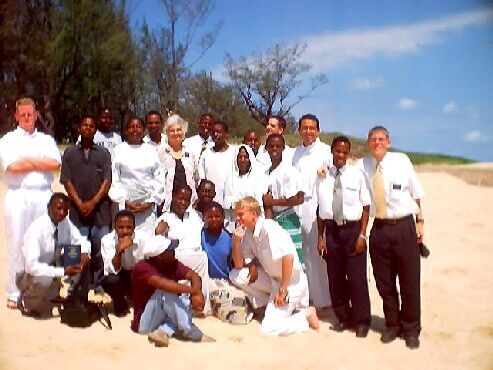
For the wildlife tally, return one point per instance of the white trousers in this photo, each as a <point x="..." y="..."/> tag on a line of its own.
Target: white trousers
<point x="285" y="320"/>
<point x="316" y="268"/>
<point x="21" y="207"/>
<point x="198" y="262"/>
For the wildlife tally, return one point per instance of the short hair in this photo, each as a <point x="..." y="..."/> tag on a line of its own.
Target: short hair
<point x="250" y="204"/>
<point x="87" y="116"/>
<point x="341" y="139"/>
<point x="223" y="124"/>
<point x="274" y="136"/>
<point x="311" y="117"/>
<point x="25" y="101"/>
<point x="104" y="108"/>
<point x="212" y="205"/>
<point x="178" y="188"/>
<point x="206" y="115"/>
<point x="125" y="213"/>
<point x="378" y="128"/>
<point x="203" y="182"/>
<point x="153" y="113"/>
<point x="248" y="132"/>
<point x="280" y="119"/>
<point x="136" y="119"/>
<point x="175" y="119"/>
<point x="58" y="195"/>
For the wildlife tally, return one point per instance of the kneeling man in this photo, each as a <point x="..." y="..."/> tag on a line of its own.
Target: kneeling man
<point x="161" y="303"/>
<point x="40" y="281"/>
<point x="271" y="257"/>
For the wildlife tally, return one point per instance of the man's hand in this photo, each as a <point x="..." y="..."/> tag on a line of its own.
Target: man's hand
<point x="72" y="270"/>
<point x="124" y="243"/>
<point x="239" y="232"/>
<point x="420" y="232"/>
<point x="86" y="208"/>
<point x="322" y="172"/>
<point x="197" y="302"/>
<point x="142" y="207"/>
<point x="252" y="273"/>
<point x="359" y="247"/>
<point x="162" y="228"/>
<point x="267" y="199"/>
<point x="280" y="298"/>
<point x="84" y="260"/>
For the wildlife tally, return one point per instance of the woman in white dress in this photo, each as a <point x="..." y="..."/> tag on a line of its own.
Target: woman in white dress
<point x="245" y="179"/>
<point x="178" y="165"/>
<point x="135" y="184"/>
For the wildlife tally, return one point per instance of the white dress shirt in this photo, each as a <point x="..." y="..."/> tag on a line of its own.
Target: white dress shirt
<point x="263" y="156"/>
<point x="147" y="139"/>
<point x="284" y="182"/>
<point x="355" y="194"/>
<point x="308" y="160"/>
<point x="400" y="182"/>
<point x="269" y="242"/>
<point x="186" y="231"/>
<point x="136" y="170"/>
<point x="194" y="143"/>
<point x="216" y="167"/>
<point x="19" y="143"/>
<point x="108" y="140"/>
<point x="130" y="256"/>
<point x="39" y="245"/>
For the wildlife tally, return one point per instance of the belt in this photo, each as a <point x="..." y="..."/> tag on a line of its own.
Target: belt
<point x="391" y="221"/>
<point x="343" y="223"/>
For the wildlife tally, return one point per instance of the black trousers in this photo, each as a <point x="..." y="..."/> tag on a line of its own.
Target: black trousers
<point x="118" y="286"/>
<point x="394" y="253"/>
<point x="348" y="284"/>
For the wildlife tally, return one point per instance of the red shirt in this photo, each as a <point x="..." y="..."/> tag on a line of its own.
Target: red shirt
<point x="142" y="291"/>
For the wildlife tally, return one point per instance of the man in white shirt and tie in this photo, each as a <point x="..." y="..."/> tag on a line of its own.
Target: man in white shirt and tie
<point x="197" y="144"/>
<point x="343" y="212"/>
<point x="397" y="229"/>
<point x="39" y="282"/>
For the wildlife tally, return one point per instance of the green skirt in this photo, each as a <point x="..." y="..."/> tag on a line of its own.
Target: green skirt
<point x="289" y="221"/>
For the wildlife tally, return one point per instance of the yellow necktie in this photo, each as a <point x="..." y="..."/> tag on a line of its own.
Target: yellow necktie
<point x="379" y="193"/>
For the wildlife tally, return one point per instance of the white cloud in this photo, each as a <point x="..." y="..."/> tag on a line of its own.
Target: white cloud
<point x="473" y="136"/>
<point x="366" y="84"/>
<point x="334" y="49"/>
<point x="450" y="107"/>
<point x="407" y="103"/>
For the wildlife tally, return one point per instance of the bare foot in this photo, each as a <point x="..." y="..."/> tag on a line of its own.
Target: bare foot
<point x="12" y="305"/>
<point x="311" y="316"/>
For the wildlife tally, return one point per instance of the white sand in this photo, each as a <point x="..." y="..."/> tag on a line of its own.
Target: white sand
<point x="457" y="314"/>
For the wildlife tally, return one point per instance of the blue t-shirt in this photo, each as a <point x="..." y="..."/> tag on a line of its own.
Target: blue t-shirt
<point x="218" y="249"/>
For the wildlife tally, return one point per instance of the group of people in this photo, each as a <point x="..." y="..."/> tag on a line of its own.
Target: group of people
<point x="167" y="224"/>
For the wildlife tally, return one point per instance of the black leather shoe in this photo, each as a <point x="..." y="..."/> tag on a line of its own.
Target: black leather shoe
<point x="389" y="335"/>
<point x="362" y="330"/>
<point x="340" y="327"/>
<point x="412" y="342"/>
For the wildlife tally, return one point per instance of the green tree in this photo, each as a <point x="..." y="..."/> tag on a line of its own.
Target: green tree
<point x="267" y="80"/>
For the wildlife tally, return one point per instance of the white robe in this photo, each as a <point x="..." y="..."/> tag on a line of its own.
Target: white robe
<point x="307" y="160"/>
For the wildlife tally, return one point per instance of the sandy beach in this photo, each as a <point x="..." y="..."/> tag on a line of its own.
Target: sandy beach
<point x="457" y="318"/>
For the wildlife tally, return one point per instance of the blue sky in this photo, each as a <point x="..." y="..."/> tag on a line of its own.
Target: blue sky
<point x="423" y="69"/>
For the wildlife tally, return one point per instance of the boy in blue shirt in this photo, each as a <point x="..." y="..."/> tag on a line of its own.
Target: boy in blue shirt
<point x="216" y="242"/>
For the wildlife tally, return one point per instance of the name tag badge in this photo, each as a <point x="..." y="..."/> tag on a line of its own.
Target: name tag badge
<point x="396" y="186"/>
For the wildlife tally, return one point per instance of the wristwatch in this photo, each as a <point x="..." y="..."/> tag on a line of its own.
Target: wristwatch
<point x="361" y="236"/>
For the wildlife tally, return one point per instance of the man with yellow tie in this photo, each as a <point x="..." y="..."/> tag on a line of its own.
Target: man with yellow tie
<point x="397" y="229"/>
